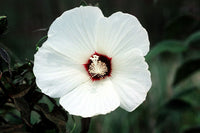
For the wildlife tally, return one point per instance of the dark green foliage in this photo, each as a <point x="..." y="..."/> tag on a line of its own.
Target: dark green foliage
<point x="85" y="125"/>
<point x="3" y="24"/>
<point x="193" y="39"/>
<point x="4" y="60"/>
<point x="187" y="91"/>
<point x="170" y="46"/>
<point x="20" y="99"/>
<point x="58" y="116"/>
<point x="178" y="104"/>
<point x="83" y="3"/>
<point x="186" y="70"/>
<point x="12" y="128"/>
<point x="42" y="40"/>
<point x="19" y="93"/>
<point x="4" y="56"/>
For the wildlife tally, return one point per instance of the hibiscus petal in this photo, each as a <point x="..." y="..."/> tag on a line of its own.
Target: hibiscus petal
<point x="91" y="98"/>
<point x="120" y="33"/>
<point x="73" y="33"/>
<point x="131" y="78"/>
<point x="55" y="74"/>
<point x="72" y="39"/>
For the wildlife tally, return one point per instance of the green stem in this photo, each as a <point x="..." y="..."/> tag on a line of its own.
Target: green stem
<point x="40" y="41"/>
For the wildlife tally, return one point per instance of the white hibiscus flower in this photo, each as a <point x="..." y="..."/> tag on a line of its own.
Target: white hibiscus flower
<point x="94" y="64"/>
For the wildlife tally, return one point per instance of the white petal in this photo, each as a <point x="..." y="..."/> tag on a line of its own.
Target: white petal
<point x="73" y="33"/>
<point x="91" y="98"/>
<point x="120" y="33"/>
<point x="131" y="78"/>
<point x="55" y="74"/>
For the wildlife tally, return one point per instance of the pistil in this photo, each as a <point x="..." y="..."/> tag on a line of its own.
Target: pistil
<point x="97" y="67"/>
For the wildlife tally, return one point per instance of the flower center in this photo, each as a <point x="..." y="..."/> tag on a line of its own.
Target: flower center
<point x="98" y="66"/>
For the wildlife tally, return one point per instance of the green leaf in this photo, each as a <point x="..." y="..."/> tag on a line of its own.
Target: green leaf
<point x="43" y="107"/>
<point x="45" y="99"/>
<point x="190" y="95"/>
<point x="186" y="70"/>
<point x="4" y="55"/>
<point x="2" y="17"/>
<point x="172" y="46"/>
<point x="5" y="58"/>
<point x="43" y="39"/>
<point x="187" y="91"/>
<point x="193" y="39"/>
<point x="11" y="114"/>
<point x="20" y="91"/>
<point x="12" y="128"/>
<point x="57" y="116"/>
<point x="35" y="117"/>
<point x="3" y="24"/>
<point x="83" y="3"/>
<point x="24" y="109"/>
<point x="11" y="53"/>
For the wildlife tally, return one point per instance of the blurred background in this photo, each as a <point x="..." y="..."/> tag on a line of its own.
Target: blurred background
<point x="173" y="103"/>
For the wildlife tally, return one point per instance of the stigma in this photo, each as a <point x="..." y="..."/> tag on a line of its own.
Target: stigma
<point x="98" y="66"/>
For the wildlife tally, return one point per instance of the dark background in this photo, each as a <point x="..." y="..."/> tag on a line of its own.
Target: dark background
<point x="29" y="19"/>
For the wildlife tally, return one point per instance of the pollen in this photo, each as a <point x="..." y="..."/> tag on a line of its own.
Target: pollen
<point x="97" y="67"/>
